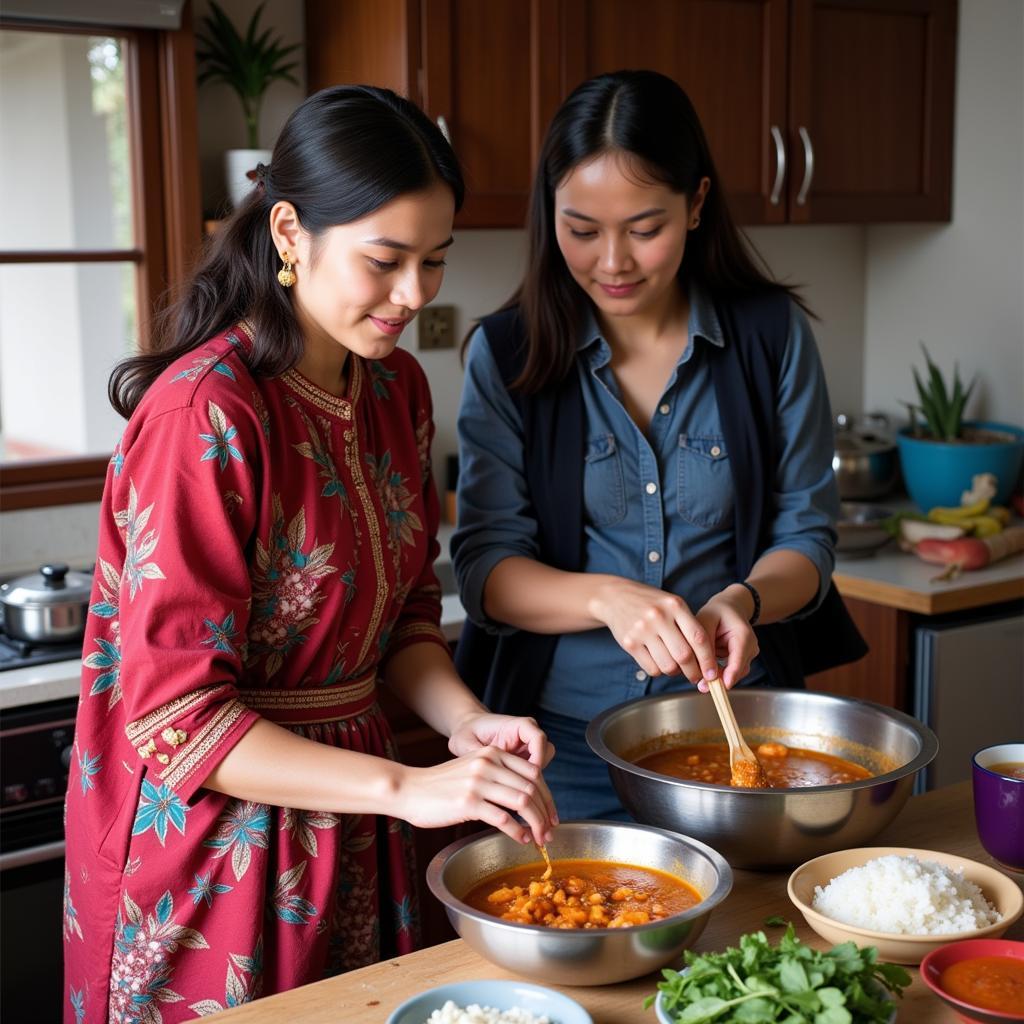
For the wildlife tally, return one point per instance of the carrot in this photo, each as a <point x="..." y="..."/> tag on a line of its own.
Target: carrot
<point x="972" y="552"/>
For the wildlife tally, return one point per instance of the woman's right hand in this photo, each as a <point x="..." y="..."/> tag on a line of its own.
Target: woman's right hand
<point x="489" y="785"/>
<point x="658" y="630"/>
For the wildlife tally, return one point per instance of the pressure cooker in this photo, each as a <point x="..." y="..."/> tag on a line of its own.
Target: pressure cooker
<point x="48" y="606"/>
<point x="865" y="458"/>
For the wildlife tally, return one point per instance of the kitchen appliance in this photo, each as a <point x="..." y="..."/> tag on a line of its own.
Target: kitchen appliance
<point x="36" y="747"/>
<point x="865" y="458"/>
<point x="48" y="606"/>
<point x="968" y="685"/>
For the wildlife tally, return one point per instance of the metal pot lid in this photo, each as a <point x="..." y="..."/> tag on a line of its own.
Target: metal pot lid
<point x="54" y="584"/>
<point x="853" y="440"/>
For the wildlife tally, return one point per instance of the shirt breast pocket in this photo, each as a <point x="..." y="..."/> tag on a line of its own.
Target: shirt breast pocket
<point x="705" y="494"/>
<point x="604" y="491"/>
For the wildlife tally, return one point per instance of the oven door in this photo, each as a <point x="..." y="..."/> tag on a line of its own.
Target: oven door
<point x="35" y="751"/>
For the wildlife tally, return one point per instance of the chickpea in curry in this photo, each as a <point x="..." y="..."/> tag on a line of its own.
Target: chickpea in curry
<point x="583" y="894"/>
<point x="786" y="767"/>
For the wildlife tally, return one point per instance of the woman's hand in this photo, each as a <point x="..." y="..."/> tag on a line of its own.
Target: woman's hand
<point x="520" y="736"/>
<point x="656" y="629"/>
<point x="726" y="619"/>
<point x="486" y="784"/>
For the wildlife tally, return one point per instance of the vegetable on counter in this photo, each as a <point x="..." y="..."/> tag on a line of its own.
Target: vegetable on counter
<point x="971" y="552"/>
<point x="790" y="982"/>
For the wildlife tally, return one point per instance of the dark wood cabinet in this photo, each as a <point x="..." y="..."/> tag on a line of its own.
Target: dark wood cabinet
<point x="883" y="674"/>
<point x="871" y="93"/>
<point x="816" y="110"/>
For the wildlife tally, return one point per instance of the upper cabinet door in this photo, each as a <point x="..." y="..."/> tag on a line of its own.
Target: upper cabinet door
<point x="871" y="110"/>
<point x="489" y="78"/>
<point x="729" y="56"/>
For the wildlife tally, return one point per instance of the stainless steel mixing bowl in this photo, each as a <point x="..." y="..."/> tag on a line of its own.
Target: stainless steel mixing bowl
<point x="597" y="956"/>
<point x="777" y="827"/>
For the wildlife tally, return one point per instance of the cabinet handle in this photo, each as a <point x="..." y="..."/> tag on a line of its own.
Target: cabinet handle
<point x="805" y="185"/>
<point x="780" y="165"/>
<point x="442" y="123"/>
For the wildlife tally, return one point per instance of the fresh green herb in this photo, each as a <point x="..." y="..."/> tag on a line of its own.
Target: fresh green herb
<point x="775" y="921"/>
<point x="759" y="983"/>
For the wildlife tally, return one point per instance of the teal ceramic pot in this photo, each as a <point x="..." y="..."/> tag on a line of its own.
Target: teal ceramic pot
<point x="938" y="472"/>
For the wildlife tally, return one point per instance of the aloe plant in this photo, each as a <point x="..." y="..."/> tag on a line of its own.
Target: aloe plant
<point x="941" y="407"/>
<point x="247" y="64"/>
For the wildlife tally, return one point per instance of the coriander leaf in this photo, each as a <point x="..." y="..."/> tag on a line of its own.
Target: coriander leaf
<point x="775" y="921"/>
<point x="702" y="1010"/>
<point x="831" y="997"/>
<point x="793" y="977"/>
<point x="834" y="1015"/>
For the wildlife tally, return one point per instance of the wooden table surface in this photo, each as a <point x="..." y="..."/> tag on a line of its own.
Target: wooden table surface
<point x="940" y="820"/>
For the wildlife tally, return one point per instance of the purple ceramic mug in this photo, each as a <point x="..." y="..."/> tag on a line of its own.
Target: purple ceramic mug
<point x="999" y="803"/>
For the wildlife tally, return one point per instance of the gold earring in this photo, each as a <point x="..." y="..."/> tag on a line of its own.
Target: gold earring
<point x="695" y="224"/>
<point x="286" y="275"/>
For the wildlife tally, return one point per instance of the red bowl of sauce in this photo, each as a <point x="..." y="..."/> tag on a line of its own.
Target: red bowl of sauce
<point x="981" y="979"/>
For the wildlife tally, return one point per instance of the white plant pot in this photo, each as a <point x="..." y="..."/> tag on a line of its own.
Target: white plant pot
<point x="237" y="165"/>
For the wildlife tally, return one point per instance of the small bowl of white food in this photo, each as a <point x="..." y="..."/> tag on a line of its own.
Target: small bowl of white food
<point x="490" y="1002"/>
<point x="905" y="902"/>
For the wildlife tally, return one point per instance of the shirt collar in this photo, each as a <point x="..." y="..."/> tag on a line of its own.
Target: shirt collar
<point x="703" y="323"/>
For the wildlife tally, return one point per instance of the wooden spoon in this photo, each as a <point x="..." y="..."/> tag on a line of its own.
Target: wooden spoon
<point x="746" y="769"/>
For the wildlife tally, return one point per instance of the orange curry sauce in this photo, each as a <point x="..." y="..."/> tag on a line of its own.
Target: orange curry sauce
<point x="786" y="767"/>
<point x="583" y="894"/>
<point x="991" y="982"/>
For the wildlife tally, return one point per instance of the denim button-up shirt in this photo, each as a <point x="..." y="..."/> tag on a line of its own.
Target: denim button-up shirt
<point x="658" y="504"/>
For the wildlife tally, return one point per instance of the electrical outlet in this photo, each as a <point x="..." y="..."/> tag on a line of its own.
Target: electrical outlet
<point x="437" y="327"/>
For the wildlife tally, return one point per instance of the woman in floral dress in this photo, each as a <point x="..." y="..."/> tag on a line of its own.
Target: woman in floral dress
<point x="236" y="822"/>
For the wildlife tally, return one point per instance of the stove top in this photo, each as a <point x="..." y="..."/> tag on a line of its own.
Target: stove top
<point x="22" y="654"/>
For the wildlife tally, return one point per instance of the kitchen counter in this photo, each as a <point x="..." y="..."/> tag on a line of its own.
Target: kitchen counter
<point x="896" y="579"/>
<point x="940" y="820"/>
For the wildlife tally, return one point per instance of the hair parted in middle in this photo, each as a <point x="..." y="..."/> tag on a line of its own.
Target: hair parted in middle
<point x="649" y="118"/>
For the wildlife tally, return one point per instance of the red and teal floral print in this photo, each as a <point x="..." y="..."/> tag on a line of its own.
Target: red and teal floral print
<point x="257" y="536"/>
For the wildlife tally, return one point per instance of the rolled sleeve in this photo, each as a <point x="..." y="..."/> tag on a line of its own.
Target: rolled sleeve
<point x="495" y="515"/>
<point x="806" y="497"/>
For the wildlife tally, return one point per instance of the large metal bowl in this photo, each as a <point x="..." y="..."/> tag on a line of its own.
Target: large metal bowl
<point x="771" y="828"/>
<point x="597" y="956"/>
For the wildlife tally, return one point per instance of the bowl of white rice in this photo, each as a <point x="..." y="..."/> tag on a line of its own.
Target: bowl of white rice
<point x="905" y="902"/>
<point x="495" y="1001"/>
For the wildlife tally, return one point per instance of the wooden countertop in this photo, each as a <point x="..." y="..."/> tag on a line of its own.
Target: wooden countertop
<point x="940" y="820"/>
<point x="898" y="580"/>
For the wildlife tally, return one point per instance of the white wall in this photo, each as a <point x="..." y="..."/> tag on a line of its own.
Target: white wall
<point x="959" y="288"/>
<point x="221" y="123"/>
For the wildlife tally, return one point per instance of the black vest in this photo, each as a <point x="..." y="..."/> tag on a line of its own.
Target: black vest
<point x="508" y="672"/>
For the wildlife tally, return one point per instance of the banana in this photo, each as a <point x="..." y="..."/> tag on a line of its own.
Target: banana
<point x="1000" y="512"/>
<point x="985" y="526"/>
<point x="941" y="514"/>
<point x="979" y="526"/>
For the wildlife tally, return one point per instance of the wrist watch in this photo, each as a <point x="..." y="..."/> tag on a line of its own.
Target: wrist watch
<point x="757" y="601"/>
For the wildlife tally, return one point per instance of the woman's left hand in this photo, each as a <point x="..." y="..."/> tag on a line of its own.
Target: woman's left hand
<point x="725" y="619"/>
<point x="520" y="736"/>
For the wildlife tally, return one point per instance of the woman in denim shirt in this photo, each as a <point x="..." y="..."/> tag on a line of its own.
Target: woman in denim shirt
<point x="634" y="268"/>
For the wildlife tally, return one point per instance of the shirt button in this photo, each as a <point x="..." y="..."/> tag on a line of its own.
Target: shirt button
<point x="663" y="408"/>
<point x="651" y="488"/>
<point x="641" y="676"/>
<point x="716" y="451"/>
<point x="653" y="556"/>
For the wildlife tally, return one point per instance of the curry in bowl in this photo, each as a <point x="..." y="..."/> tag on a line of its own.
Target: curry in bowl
<point x="786" y="767"/>
<point x="584" y="894"/>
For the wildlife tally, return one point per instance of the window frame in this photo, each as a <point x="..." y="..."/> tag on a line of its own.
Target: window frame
<point x="160" y="78"/>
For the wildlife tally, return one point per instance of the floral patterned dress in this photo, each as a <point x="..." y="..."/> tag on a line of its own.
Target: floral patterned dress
<point x="264" y="548"/>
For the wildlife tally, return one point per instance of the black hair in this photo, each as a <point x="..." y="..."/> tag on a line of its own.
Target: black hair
<point x="343" y="153"/>
<point x="648" y="117"/>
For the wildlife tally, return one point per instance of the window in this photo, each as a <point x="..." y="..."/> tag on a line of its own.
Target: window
<point x="98" y="161"/>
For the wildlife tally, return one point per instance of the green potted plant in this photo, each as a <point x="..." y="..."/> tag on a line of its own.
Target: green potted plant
<point x="249" y="64"/>
<point x="941" y="452"/>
